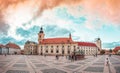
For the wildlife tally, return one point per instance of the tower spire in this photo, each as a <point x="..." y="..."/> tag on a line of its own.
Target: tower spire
<point x="41" y="30"/>
<point x="70" y="35"/>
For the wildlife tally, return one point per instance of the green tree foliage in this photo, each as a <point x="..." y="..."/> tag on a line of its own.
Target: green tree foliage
<point x="110" y="50"/>
<point x="102" y="52"/>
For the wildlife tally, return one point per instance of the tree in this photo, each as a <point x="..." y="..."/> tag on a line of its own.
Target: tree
<point x="102" y="52"/>
<point x="110" y="50"/>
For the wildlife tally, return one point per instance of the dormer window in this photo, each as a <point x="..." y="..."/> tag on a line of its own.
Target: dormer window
<point x="68" y="41"/>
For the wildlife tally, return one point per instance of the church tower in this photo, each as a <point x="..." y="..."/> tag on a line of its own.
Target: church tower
<point x="40" y="35"/>
<point x="98" y="43"/>
<point x="70" y="36"/>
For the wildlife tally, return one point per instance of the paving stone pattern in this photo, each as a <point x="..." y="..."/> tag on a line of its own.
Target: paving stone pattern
<point x="2" y="64"/>
<point x="19" y="65"/>
<point x="94" y="69"/>
<point x="41" y="64"/>
<point x="117" y="69"/>
<point x="17" y="71"/>
<point x="53" y="70"/>
<point x="98" y="63"/>
<point x="71" y="66"/>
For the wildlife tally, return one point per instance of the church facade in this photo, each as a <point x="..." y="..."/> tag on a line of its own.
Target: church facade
<point x="64" y="46"/>
<point x="30" y="48"/>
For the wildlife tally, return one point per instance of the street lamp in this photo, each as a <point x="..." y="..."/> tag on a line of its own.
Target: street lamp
<point x="96" y="51"/>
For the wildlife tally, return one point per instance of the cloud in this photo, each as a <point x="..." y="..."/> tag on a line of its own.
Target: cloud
<point x="56" y="31"/>
<point x="111" y="45"/>
<point x="25" y="33"/>
<point x="6" y="39"/>
<point x="19" y="12"/>
<point x="22" y="18"/>
<point x="37" y="6"/>
<point x="28" y="34"/>
<point x="3" y="25"/>
<point x="63" y="13"/>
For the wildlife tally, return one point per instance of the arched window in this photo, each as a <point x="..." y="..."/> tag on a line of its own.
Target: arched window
<point x="68" y="51"/>
<point x="57" y="51"/>
<point x="62" y="51"/>
<point x="51" y="50"/>
<point x="68" y="46"/>
<point x="46" y="46"/>
<point x="51" y="46"/>
<point x="46" y="51"/>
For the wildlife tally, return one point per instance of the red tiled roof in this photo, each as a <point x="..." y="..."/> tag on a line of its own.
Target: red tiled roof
<point x="117" y="48"/>
<point x="12" y="45"/>
<point x="57" y="41"/>
<point x="86" y="44"/>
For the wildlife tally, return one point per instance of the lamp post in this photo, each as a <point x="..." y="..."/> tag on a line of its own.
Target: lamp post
<point x="96" y="52"/>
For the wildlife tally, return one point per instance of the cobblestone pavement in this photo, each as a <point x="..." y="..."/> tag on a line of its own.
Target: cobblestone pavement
<point x="48" y="64"/>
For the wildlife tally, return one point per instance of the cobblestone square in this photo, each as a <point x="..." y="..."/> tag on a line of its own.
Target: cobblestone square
<point x="17" y="71"/>
<point x="94" y="69"/>
<point x="53" y="70"/>
<point x="72" y="66"/>
<point x="40" y="65"/>
<point x="49" y="64"/>
<point x="117" y="69"/>
<point x="19" y="65"/>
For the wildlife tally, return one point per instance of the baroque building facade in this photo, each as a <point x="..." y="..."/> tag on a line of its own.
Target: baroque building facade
<point x="30" y="48"/>
<point x="65" y="46"/>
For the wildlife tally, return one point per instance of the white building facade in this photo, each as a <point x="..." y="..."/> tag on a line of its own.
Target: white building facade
<point x="63" y="46"/>
<point x="3" y="49"/>
<point x="13" y="48"/>
<point x="89" y="48"/>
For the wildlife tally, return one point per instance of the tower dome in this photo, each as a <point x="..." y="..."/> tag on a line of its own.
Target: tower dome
<point x="41" y="30"/>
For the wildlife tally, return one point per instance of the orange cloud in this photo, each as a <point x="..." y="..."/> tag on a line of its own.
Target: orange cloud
<point x="41" y="4"/>
<point x="107" y="9"/>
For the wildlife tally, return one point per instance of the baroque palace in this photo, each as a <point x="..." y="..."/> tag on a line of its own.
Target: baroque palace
<point x="61" y="46"/>
<point x="65" y="46"/>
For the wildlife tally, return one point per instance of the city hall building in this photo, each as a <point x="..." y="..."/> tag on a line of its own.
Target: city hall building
<point x="65" y="46"/>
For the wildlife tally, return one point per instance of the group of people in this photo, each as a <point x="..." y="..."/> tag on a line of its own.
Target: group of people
<point x="95" y="55"/>
<point x="71" y="57"/>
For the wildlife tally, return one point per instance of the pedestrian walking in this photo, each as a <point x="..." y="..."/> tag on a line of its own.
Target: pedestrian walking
<point x="5" y="54"/>
<point x="107" y="62"/>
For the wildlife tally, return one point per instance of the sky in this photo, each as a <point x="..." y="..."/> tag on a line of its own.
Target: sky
<point x="20" y="20"/>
